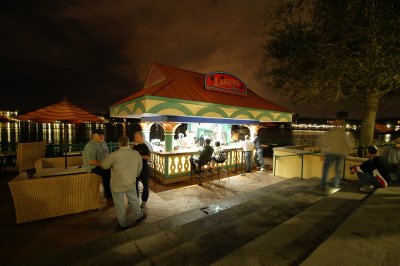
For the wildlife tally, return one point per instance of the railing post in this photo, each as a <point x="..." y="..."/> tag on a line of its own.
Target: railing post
<point x="344" y="168"/>
<point x="302" y="163"/>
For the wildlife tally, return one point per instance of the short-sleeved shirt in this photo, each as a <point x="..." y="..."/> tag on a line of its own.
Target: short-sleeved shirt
<point x="217" y="151"/>
<point x="247" y="145"/>
<point x="94" y="151"/>
<point x="143" y="149"/>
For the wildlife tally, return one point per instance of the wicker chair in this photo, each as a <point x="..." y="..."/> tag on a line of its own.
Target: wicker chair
<point x="27" y="155"/>
<point x="57" y="162"/>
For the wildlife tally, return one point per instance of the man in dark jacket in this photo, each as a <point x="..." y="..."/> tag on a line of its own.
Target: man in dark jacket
<point x="204" y="156"/>
<point x="258" y="156"/>
<point x="144" y="152"/>
<point x="372" y="173"/>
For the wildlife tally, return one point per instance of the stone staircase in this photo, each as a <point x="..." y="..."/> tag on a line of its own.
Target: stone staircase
<point x="281" y="224"/>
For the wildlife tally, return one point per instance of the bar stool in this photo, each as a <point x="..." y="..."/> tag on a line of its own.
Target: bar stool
<point x="200" y="170"/>
<point x="219" y="161"/>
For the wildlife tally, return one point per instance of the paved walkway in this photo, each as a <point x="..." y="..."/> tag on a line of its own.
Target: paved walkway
<point x="57" y="233"/>
<point x="167" y="203"/>
<point x="370" y="236"/>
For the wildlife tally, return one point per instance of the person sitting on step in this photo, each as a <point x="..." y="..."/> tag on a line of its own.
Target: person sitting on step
<point x="372" y="174"/>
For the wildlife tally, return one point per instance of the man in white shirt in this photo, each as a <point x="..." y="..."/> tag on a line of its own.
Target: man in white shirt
<point x="125" y="164"/>
<point x="248" y="147"/>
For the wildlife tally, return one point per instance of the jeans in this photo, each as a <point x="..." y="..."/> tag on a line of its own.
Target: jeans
<point x="120" y="208"/>
<point x="105" y="176"/>
<point x="259" y="158"/>
<point x="331" y="159"/>
<point x="144" y="179"/>
<point x="367" y="179"/>
<point x="247" y="159"/>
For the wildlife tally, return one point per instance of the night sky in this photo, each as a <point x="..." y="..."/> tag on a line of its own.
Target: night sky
<point x="96" y="53"/>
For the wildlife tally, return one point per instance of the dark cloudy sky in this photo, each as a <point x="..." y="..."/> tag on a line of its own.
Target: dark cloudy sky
<point x="98" y="52"/>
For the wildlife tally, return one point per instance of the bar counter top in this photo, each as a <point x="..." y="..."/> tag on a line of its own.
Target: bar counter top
<point x="195" y="150"/>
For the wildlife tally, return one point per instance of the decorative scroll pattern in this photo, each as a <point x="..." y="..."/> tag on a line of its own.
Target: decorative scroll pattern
<point x="179" y="164"/>
<point x="158" y="162"/>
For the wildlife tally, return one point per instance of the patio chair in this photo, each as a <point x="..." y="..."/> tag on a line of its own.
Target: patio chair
<point x="27" y="154"/>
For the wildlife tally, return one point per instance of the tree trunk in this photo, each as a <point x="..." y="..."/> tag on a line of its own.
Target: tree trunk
<point x="368" y="124"/>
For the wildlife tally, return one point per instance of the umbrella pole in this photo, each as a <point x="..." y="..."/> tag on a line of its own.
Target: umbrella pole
<point x="65" y="140"/>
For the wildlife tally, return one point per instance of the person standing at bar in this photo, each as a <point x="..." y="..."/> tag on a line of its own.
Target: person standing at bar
<point x="259" y="156"/>
<point x="144" y="152"/>
<point x="248" y="147"/>
<point x="95" y="151"/>
<point x="126" y="165"/>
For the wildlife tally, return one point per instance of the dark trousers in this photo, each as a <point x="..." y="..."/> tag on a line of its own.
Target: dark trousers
<point x="144" y="179"/>
<point x="105" y="176"/>
<point x="366" y="179"/>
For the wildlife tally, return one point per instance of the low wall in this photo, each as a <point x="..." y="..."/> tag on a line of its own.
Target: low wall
<point x="291" y="162"/>
<point x="173" y="167"/>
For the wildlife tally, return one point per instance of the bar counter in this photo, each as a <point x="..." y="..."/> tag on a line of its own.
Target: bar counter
<point x="174" y="166"/>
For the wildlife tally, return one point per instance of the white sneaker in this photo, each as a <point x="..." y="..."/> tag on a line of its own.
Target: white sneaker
<point x="263" y="169"/>
<point x="367" y="189"/>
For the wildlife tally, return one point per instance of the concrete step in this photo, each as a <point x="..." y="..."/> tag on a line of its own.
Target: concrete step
<point x="370" y="235"/>
<point x="194" y="237"/>
<point x="293" y="240"/>
<point x="273" y="199"/>
<point x="297" y="195"/>
<point x="203" y="241"/>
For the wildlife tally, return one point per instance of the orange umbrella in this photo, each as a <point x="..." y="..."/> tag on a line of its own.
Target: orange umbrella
<point x="63" y="112"/>
<point x="382" y="128"/>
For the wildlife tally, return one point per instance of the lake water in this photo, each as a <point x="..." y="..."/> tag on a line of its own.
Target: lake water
<point x="14" y="132"/>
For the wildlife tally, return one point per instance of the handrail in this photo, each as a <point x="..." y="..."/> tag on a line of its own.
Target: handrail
<point x="301" y="155"/>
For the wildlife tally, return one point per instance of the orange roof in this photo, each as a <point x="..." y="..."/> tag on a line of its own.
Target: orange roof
<point x="62" y="111"/>
<point x="171" y="82"/>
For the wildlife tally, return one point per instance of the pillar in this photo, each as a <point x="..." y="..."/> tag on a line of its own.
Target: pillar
<point x="228" y="131"/>
<point x="169" y="132"/>
<point x="219" y="132"/>
<point x="146" y="129"/>
<point x="253" y="130"/>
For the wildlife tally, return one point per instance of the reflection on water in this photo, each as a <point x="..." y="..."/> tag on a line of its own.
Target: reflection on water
<point x="58" y="133"/>
<point x="14" y="132"/>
